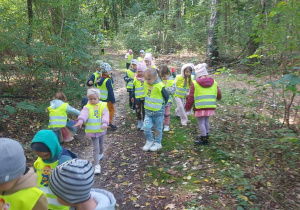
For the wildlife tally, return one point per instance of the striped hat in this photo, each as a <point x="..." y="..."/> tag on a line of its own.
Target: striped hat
<point x="72" y="181"/>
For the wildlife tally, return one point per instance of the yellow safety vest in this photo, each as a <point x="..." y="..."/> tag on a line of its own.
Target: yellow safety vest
<point x="103" y="90"/>
<point x="96" y="77"/>
<point x="129" y="58"/>
<point x="131" y="75"/>
<point x="153" y="99"/>
<point x="181" y="91"/>
<point x="94" y="122"/>
<point x="151" y="67"/>
<point x="44" y="171"/>
<point x="138" y="88"/>
<point x="205" y="97"/>
<point x="140" y="59"/>
<point x="58" y="117"/>
<point x="24" y="199"/>
<point x="169" y="83"/>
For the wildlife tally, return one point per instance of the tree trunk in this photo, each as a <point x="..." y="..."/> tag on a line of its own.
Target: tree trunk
<point x="212" y="52"/>
<point x="29" y="35"/>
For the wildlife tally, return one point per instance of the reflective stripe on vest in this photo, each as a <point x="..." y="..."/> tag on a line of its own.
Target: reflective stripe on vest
<point x="94" y="122"/>
<point x="130" y="74"/>
<point x="58" y="117"/>
<point x="205" y="97"/>
<point x="103" y="90"/>
<point x="181" y="91"/>
<point x="154" y="99"/>
<point x="169" y="83"/>
<point x="96" y="77"/>
<point x="129" y="58"/>
<point x="43" y="171"/>
<point x="138" y="88"/>
<point x="22" y="199"/>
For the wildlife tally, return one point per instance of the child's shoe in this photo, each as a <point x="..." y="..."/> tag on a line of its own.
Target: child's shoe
<point x="155" y="147"/>
<point x="142" y="128"/>
<point x="139" y="125"/>
<point x="184" y="124"/>
<point x="101" y="156"/>
<point x="203" y="141"/>
<point x="166" y="128"/>
<point x="97" y="169"/>
<point x="147" y="146"/>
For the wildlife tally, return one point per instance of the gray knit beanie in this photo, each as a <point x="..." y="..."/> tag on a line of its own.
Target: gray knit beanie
<point x="72" y="181"/>
<point x="13" y="160"/>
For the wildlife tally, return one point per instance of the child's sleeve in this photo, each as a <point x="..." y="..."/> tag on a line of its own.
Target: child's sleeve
<point x="171" y="90"/>
<point x="165" y="95"/>
<point x="190" y="99"/>
<point x="111" y="95"/>
<point x="105" y="117"/>
<point x="83" y="116"/>
<point x="219" y="96"/>
<point x="72" y="110"/>
<point x="92" y="78"/>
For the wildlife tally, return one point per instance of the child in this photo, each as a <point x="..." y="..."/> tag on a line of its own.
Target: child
<point x="138" y="94"/>
<point x="130" y="74"/>
<point x="128" y="57"/>
<point x="203" y="94"/>
<point x="183" y="83"/>
<point x="18" y="189"/>
<point x="96" y="117"/>
<point x="165" y="75"/>
<point x="77" y="176"/>
<point x="142" y="55"/>
<point x="107" y="92"/>
<point x="58" y="118"/>
<point x="50" y="154"/>
<point x="96" y="76"/>
<point x="149" y="62"/>
<point x="155" y="99"/>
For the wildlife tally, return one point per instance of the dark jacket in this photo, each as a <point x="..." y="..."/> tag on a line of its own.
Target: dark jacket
<point x="110" y="96"/>
<point x="205" y="83"/>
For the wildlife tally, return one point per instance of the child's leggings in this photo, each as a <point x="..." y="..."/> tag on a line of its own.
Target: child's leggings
<point x="131" y="105"/>
<point x="139" y="110"/>
<point x="180" y="110"/>
<point x="167" y="115"/>
<point x="98" y="148"/>
<point x="111" y="110"/>
<point x="203" y="125"/>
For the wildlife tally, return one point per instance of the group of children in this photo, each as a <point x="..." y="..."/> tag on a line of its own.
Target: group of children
<point x="63" y="180"/>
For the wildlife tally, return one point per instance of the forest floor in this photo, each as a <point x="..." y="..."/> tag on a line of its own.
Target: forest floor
<point x="251" y="163"/>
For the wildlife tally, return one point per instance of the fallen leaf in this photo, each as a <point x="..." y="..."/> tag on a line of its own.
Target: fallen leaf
<point x="155" y="182"/>
<point x="197" y="182"/>
<point x="170" y="206"/>
<point x="133" y="199"/>
<point x="243" y="197"/>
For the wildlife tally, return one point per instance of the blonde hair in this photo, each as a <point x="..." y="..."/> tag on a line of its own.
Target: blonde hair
<point x="60" y="96"/>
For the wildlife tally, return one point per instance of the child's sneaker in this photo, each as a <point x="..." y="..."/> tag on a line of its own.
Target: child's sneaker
<point x="101" y="156"/>
<point x="166" y="128"/>
<point x="97" y="169"/>
<point x="155" y="147"/>
<point x="113" y="127"/>
<point x="147" y="146"/>
<point x="142" y="128"/>
<point x="139" y="125"/>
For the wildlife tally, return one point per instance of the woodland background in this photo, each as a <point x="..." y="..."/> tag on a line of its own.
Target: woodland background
<point x="254" y="45"/>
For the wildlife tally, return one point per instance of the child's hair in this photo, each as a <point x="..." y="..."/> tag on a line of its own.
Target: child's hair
<point x="60" y="96"/>
<point x="163" y="70"/>
<point x="93" y="91"/>
<point x="151" y="72"/>
<point x="187" y="79"/>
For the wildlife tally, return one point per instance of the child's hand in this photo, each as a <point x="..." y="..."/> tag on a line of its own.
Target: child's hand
<point x="91" y="82"/>
<point x="103" y="127"/>
<point x="77" y="124"/>
<point x="132" y="100"/>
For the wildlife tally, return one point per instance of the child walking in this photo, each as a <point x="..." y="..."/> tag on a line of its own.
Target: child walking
<point x="165" y="75"/>
<point x="149" y="62"/>
<point x="50" y="154"/>
<point x="95" y="77"/>
<point x="18" y="188"/>
<point x="138" y="94"/>
<point x="77" y="176"/>
<point x="95" y="116"/>
<point x="142" y="55"/>
<point x="183" y="83"/>
<point x="105" y="85"/>
<point x="203" y="94"/>
<point x="156" y="96"/>
<point x="130" y="74"/>
<point x="58" y="118"/>
<point x="128" y="57"/>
